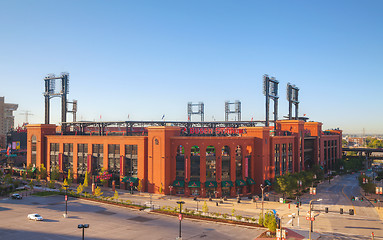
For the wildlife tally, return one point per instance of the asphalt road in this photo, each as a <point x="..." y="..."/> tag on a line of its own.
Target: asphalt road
<point x="106" y="222"/>
<point x="338" y="195"/>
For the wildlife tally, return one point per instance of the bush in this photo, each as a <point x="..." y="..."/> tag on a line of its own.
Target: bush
<point x="270" y="221"/>
<point x="260" y="220"/>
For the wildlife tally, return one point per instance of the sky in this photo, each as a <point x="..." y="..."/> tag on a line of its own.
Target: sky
<point x="140" y="60"/>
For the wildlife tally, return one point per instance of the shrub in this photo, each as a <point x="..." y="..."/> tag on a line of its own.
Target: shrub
<point x="238" y="217"/>
<point x="270" y="221"/>
<point x="205" y="208"/>
<point x="260" y="220"/>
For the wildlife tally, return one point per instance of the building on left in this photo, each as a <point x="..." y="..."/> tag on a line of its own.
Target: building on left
<point x="7" y="120"/>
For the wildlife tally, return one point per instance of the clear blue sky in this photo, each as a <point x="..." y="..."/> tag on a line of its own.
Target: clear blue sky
<point x="149" y="58"/>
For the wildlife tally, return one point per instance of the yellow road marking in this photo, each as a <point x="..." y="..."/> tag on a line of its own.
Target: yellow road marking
<point x="350" y="200"/>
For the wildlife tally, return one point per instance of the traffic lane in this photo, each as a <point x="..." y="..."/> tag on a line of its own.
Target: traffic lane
<point x="352" y="226"/>
<point x="110" y="222"/>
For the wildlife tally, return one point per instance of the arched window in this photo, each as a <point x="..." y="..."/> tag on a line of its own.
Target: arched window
<point x="34" y="150"/>
<point x="180" y="163"/>
<point x="225" y="163"/>
<point x="195" y="164"/>
<point x="210" y="163"/>
<point x="238" y="162"/>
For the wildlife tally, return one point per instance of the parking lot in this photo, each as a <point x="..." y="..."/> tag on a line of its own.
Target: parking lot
<point x="106" y="222"/>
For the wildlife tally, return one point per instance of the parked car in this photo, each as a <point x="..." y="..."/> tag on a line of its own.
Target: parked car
<point x="16" y="196"/>
<point x="35" y="216"/>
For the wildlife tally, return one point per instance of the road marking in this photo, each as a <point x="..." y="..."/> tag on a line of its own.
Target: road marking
<point x="350" y="201"/>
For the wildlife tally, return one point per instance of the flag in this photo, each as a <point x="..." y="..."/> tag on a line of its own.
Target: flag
<point x="163" y="116"/>
<point x="251" y="119"/>
<point x="9" y="150"/>
<point x="304" y="114"/>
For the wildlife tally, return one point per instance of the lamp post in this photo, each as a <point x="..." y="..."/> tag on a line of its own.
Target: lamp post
<point x="310" y="207"/>
<point x="180" y="218"/>
<point x="66" y="201"/>
<point x="262" y="188"/>
<point x="83" y="226"/>
<point x="197" y="202"/>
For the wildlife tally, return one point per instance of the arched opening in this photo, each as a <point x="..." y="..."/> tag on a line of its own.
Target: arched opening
<point x="211" y="183"/>
<point x="225" y="169"/>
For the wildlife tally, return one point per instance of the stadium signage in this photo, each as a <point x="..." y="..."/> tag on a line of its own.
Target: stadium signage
<point x="213" y="131"/>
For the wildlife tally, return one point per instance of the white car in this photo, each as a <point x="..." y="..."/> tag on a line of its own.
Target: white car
<point x="35" y="216"/>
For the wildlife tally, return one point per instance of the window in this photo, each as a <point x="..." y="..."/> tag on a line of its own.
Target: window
<point x="284" y="158"/>
<point x="98" y="158"/>
<point x="34" y="148"/>
<point x="195" y="164"/>
<point x="180" y="163"/>
<point x="290" y="156"/>
<point x="54" y="156"/>
<point x="67" y="157"/>
<point x="210" y="164"/>
<point x="225" y="163"/>
<point x="238" y="162"/>
<point x="82" y="158"/>
<point x="131" y="160"/>
<point x="114" y="158"/>
<point x="276" y="159"/>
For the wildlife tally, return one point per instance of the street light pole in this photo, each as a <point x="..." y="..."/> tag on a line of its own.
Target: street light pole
<point x="310" y="208"/>
<point x="66" y="201"/>
<point x="180" y="218"/>
<point x="83" y="226"/>
<point x="262" y="188"/>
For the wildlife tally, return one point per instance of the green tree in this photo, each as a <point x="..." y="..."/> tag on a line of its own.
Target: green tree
<point x="70" y="177"/>
<point x="80" y="189"/>
<point x="8" y="179"/>
<point x="139" y="187"/>
<point x="86" y="179"/>
<point x="115" y="196"/>
<point x="232" y="213"/>
<point x="97" y="192"/>
<point x="205" y="208"/>
<point x="161" y="188"/>
<point x="65" y="183"/>
<point x="270" y="221"/>
<point x="43" y="172"/>
<point x="30" y="171"/>
<point x="55" y="174"/>
<point x="31" y="184"/>
<point x="24" y="177"/>
<point x="51" y="184"/>
<point x="260" y="220"/>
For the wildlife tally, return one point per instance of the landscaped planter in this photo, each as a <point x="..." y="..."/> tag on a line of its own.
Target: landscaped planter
<point x="206" y="218"/>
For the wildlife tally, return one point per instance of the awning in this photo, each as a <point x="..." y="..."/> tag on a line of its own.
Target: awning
<point x="211" y="184"/>
<point x="194" y="184"/>
<point x="178" y="183"/>
<point x="267" y="183"/>
<point x="240" y="183"/>
<point x="227" y="184"/>
<point x="130" y="179"/>
<point x="250" y="181"/>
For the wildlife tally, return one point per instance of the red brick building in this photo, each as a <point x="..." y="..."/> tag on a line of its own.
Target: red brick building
<point x="187" y="160"/>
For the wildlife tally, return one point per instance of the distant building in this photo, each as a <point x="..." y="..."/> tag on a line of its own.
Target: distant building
<point x="7" y="120"/>
<point x="356" y="141"/>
